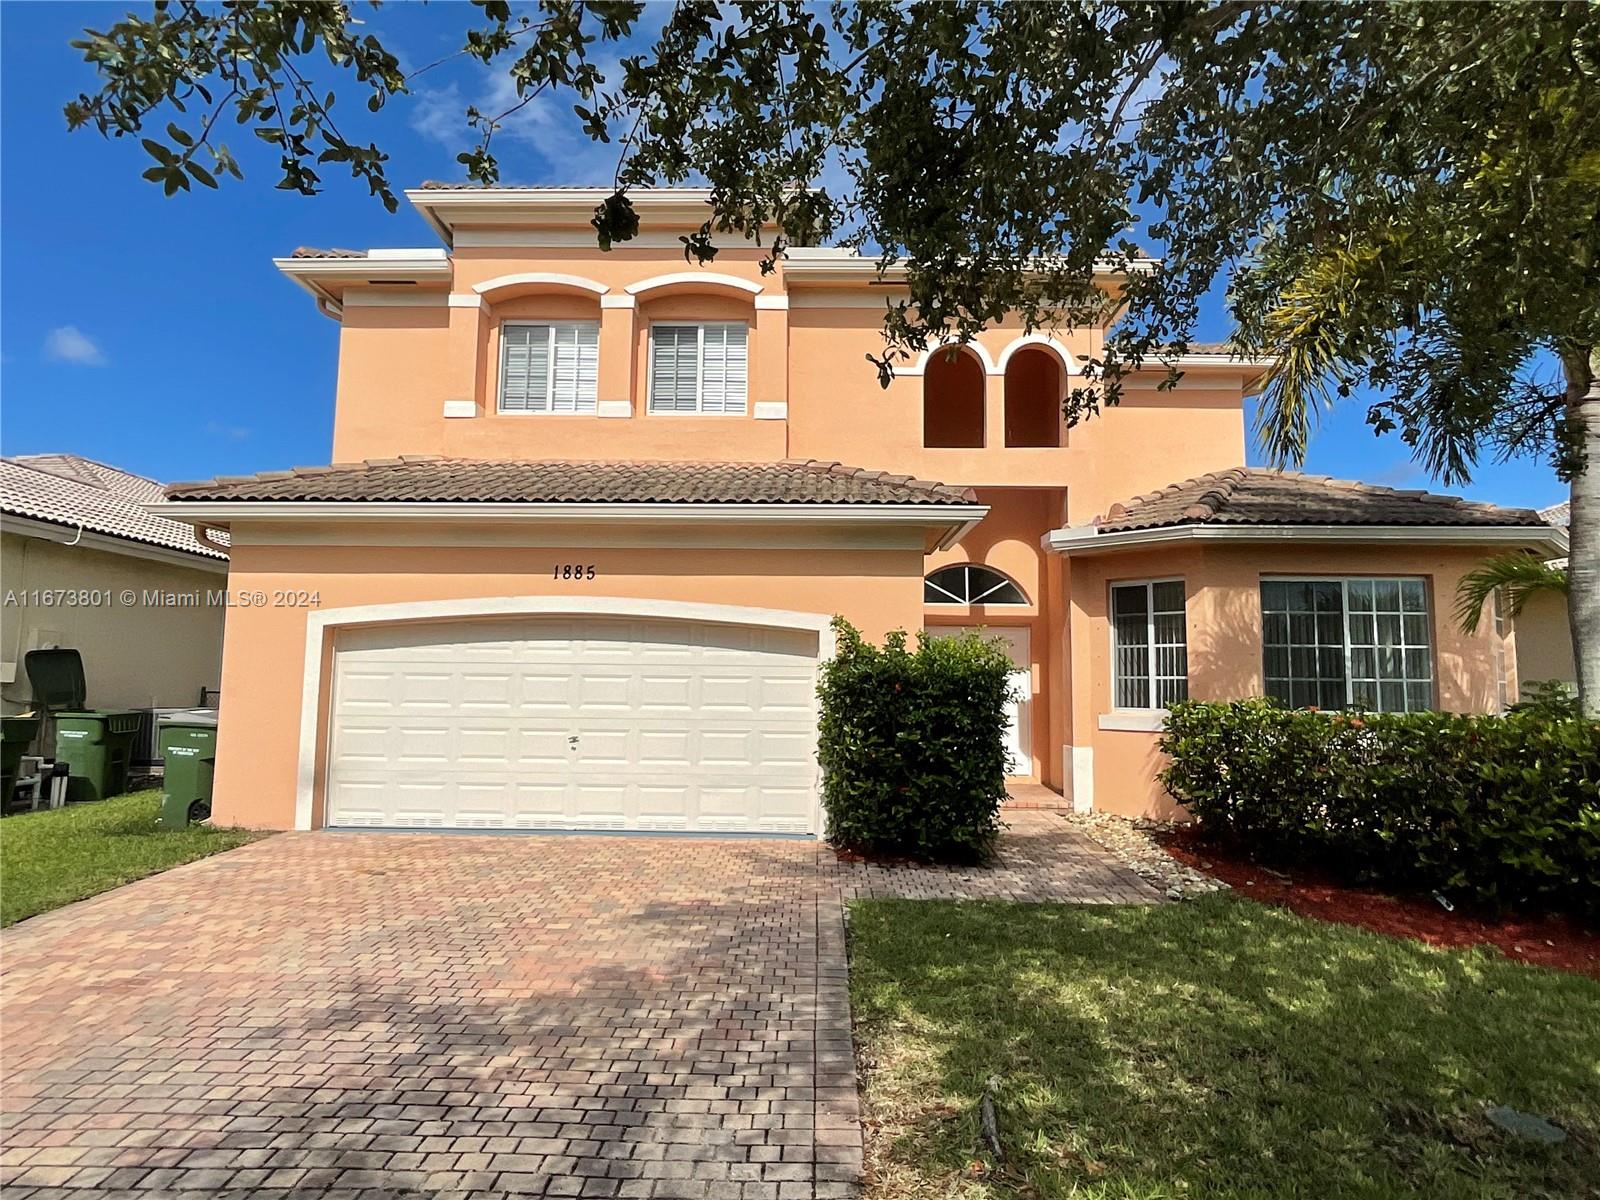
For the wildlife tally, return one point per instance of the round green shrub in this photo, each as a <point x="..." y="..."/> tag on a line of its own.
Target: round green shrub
<point x="912" y="744"/>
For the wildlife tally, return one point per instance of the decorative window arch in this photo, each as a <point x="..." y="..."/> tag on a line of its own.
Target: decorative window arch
<point x="970" y="583"/>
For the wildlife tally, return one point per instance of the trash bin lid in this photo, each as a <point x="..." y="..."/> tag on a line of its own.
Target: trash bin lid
<point x="57" y="678"/>
<point x="190" y="716"/>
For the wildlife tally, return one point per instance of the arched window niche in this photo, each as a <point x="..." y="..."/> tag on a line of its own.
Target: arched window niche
<point x="1035" y="387"/>
<point x="952" y="399"/>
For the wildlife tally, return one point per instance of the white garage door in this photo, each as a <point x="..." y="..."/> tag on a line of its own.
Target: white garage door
<point x="574" y="723"/>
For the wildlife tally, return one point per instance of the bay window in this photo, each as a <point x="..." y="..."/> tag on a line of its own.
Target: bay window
<point x="1348" y="643"/>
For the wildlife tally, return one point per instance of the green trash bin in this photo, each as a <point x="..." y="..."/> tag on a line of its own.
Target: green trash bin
<point x="188" y="743"/>
<point x="97" y="746"/>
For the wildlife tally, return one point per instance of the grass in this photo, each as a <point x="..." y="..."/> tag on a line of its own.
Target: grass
<point x="1217" y="1048"/>
<point x="54" y="857"/>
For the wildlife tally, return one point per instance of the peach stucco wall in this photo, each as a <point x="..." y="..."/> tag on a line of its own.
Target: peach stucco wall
<point x="1224" y="639"/>
<point x="403" y="358"/>
<point x="262" y="672"/>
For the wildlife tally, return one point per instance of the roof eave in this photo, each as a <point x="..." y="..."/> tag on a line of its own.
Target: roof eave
<point x="221" y="513"/>
<point x="26" y="525"/>
<point x="1087" y="539"/>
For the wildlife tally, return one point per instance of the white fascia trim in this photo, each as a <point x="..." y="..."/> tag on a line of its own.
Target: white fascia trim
<point x="321" y="623"/>
<point x="698" y="278"/>
<point x="558" y="239"/>
<point x="1086" y="540"/>
<point x="921" y="367"/>
<point x="364" y="269"/>
<point x="1069" y="364"/>
<point x="773" y="303"/>
<point x="543" y="278"/>
<point x="867" y="268"/>
<point x="410" y="253"/>
<point x="1134" y="720"/>
<point x="571" y="512"/>
<point x="537" y="197"/>
<point x="70" y="536"/>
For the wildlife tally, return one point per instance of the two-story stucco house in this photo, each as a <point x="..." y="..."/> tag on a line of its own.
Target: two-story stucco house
<point x="591" y="514"/>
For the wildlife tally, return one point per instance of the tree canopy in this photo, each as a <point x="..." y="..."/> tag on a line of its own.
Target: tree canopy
<point x="1400" y="196"/>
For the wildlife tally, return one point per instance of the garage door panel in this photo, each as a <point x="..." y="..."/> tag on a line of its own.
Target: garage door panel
<point x="582" y="723"/>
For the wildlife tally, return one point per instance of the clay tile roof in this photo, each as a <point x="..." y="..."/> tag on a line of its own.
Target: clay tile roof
<point x="445" y="480"/>
<point x="74" y="493"/>
<point x="1557" y="514"/>
<point x="332" y="252"/>
<point x="1251" y="496"/>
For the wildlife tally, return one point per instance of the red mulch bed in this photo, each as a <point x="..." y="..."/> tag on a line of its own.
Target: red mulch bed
<point x="1548" y="941"/>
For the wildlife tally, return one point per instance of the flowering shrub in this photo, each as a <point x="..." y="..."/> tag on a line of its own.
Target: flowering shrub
<point x="1497" y="810"/>
<point x="911" y="744"/>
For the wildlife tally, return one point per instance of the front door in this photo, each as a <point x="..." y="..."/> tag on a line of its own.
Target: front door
<point x="1019" y="732"/>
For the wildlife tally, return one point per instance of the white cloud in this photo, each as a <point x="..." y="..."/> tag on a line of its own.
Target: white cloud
<point x="70" y="344"/>
<point x="546" y="126"/>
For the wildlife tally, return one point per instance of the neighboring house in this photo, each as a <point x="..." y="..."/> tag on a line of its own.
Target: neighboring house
<point x="1544" y="633"/>
<point x="84" y="564"/>
<point x="578" y="567"/>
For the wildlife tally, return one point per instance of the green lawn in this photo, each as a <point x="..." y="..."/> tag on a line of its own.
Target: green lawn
<point x="1216" y="1048"/>
<point x="52" y="858"/>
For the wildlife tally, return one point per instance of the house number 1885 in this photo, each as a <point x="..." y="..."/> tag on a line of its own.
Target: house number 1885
<point x="572" y="571"/>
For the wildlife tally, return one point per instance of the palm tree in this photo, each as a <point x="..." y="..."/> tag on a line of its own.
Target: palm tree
<point x="1517" y="576"/>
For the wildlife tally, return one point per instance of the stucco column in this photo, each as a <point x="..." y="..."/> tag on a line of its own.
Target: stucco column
<point x="770" y="369"/>
<point x="618" y="321"/>
<point x="467" y="355"/>
<point x="994" y="411"/>
<point x="1079" y="732"/>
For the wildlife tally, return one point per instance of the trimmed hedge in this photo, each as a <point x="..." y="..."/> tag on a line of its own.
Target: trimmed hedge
<point x="912" y="744"/>
<point x="1499" y="811"/>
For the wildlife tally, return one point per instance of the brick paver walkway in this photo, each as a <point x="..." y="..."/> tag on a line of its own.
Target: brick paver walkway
<point x="372" y="1014"/>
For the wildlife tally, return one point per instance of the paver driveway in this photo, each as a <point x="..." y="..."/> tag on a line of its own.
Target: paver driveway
<point x="438" y="1013"/>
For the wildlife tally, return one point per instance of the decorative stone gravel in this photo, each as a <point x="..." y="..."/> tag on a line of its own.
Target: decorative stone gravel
<point x="1133" y="843"/>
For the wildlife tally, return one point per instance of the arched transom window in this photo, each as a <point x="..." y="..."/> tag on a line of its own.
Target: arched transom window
<point x="970" y="584"/>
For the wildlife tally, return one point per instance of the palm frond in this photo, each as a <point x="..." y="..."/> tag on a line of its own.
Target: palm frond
<point x="1517" y="576"/>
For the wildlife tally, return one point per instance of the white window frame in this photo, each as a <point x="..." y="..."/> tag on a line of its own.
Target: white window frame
<point x="1344" y="582"/>
<point x="1151" y="677"/>
<point x="952" y="602"/>
<point x="699" y="409"/>
<point x="588" y="405"/>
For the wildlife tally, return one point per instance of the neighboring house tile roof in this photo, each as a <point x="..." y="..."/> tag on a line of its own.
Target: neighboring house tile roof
<point x="331" y="252"/>
<point x="435" y="479"/>
<point x="74" y="492"/>
<point x="1558" y="514"/>
<point x="1250" y="496"/>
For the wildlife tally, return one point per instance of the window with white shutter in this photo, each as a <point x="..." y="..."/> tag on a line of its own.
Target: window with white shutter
<point x="551" y="367"/>
<point x="1149" y="643"/>
<point x="701" y="368"/>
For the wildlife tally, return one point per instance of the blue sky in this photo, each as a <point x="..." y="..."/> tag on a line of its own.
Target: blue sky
<point x="154" y="333"/>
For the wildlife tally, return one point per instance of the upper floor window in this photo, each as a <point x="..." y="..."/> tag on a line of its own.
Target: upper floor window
<point x="1347" y="643"/>
<point x="551" y="367"/>
<point x="700" y="368"/>
<point x="1149" y="644"/>
<point x="970" y="584"/>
